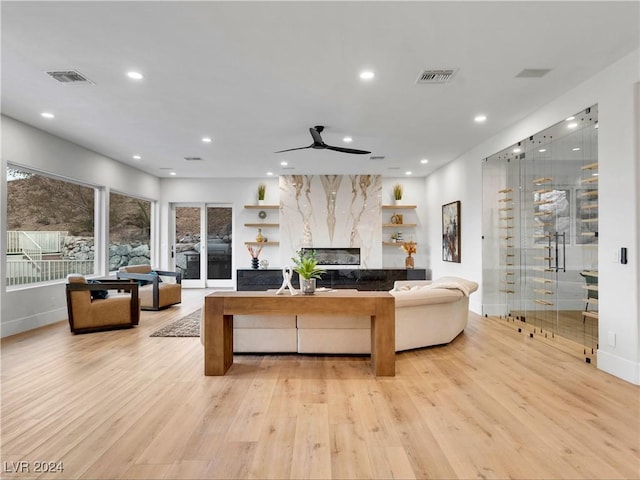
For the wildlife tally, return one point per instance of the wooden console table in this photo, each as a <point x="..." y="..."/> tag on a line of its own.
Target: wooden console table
<point x="219" y="308"/>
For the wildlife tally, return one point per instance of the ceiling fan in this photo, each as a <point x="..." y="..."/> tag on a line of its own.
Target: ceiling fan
<point x="319" y="143"/>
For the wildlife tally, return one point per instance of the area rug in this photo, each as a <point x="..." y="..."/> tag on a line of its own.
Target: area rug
<point x="188" y="326"/>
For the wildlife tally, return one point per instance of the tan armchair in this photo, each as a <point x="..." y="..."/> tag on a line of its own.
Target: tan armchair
<point x="118" y="310"/>
<point x="156" y="293"/>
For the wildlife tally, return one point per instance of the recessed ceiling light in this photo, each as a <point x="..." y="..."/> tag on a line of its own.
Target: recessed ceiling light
<point x="516" y="150"/>
<point x="47" y="115"/>
<point x="284" y="163"/>
<point x="576" y="149"/>
<point x="572" y="125"/>
<point x="367" y="75"/>
<point x="542" y="150"/>
<point x="137" y="157"/>
<point x="480" y="118"/>
<point x="408" y="172"/>
<point x="270" y="174"/>
<point x="568" y="119"/>
<point x="347" y="139"/>
<point x="172" y="173"/>
<point x="207" y="139"/>
<point x="135" y="75"/>
<point x="424" y="160"/>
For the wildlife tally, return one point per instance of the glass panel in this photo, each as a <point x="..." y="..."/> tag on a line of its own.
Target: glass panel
<point x="188" y="242"/>
<point x="129" y="231"/>
<point x="50" y="228"/>
<point x="219" y="243"/>
<point x="540" y="222"/>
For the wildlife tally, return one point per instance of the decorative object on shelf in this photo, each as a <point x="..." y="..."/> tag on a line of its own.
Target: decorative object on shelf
<point x="397" y="219"/>
<point x="262" y="188"/>
<point x="306" y="265"/>
<point x="260" y="238"/>
<point x="262" y="214"/>
<point x="410" y="249"/>
<point x="394" y="237"/>
<point x="255" y="253"/>
<point x="451" y="232"/>
<point x="264" y="264"/>
<point x="397" y="193"/>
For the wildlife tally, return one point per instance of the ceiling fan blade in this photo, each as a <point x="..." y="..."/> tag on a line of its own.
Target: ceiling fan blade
<point x="347" y="150"/>
<point x="290" y="149"/>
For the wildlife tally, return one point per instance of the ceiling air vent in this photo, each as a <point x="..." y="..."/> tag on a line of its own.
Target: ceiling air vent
<point x="70" y="77"/>
<point x="193" y="159"/>
<point x="533" y="73"/>
<point x="436" y="76"/>
<point x="376" y="157"/>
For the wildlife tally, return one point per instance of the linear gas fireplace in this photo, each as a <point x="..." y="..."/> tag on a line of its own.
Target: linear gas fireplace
<point x="336" y="256"/>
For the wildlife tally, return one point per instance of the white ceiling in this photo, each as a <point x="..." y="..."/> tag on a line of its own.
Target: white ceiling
<point x="256" y="75"/>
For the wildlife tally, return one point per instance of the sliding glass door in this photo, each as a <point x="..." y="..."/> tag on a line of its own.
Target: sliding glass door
<point x="203" y="245"/>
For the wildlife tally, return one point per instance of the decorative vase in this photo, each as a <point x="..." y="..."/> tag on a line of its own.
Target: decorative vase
<point x="308" y="285"/>
<point x="260" y="202"/>
<point x="259" y="237"/>
<point x="408" y="262"/>
<point x="397" y="201"/>
<point x="254" y="263"/>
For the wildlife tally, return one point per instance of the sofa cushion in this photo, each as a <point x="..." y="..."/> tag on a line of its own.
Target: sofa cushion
<point x="332" y="341"/>
<point x="264" y="321"/>
<point x="316" y="321"/>
<point x="261" y="340"/>
<point x="464" y="285"/>
<point x="425" y="295"/>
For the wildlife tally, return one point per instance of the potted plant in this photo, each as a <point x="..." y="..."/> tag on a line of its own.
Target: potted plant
<point x="306" y="264"/>
<point x="397" y="193"/>
<point x="262" y="188"/>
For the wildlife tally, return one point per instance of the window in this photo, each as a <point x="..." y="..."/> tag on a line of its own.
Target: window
<point x="50" y="228"/>
<point x="129" y="231"/>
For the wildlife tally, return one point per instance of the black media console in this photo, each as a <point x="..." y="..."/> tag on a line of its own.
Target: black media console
<point x="355" y="278"/>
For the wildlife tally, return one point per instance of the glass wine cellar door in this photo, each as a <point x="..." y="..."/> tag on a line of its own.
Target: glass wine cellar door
<point x="540" y="226"/>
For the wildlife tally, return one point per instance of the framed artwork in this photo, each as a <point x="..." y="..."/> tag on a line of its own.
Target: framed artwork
<point x="451" y="232"/>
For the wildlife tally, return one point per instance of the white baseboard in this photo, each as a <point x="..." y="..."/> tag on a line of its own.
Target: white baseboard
<point x="24" y="324"/>
<point x="619" y="367"/>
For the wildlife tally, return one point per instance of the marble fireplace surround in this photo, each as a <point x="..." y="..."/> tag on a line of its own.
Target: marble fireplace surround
<point x="331" y="212"/>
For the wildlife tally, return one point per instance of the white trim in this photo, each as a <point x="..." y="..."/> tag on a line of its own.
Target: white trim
<point x="619" y="367"/>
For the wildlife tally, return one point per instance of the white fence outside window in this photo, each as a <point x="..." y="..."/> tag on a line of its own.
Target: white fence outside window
<point x="23" y="272"/>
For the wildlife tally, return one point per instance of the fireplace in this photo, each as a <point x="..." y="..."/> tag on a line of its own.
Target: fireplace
<point x="336" y="256"/>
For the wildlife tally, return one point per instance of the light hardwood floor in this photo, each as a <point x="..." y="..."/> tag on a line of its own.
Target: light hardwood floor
<point x="492" y="404"/>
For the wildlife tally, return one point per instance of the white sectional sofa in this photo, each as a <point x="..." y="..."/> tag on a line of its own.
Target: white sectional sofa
<point x="427" y="313"/>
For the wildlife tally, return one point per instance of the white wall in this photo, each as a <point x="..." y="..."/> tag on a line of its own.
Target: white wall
<point x="239" y="192"/>
<point x="615" y="90"/>
<point x="33" y="306"/>
<point x="234" y="192"/>
<point x="460" y="180"/>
